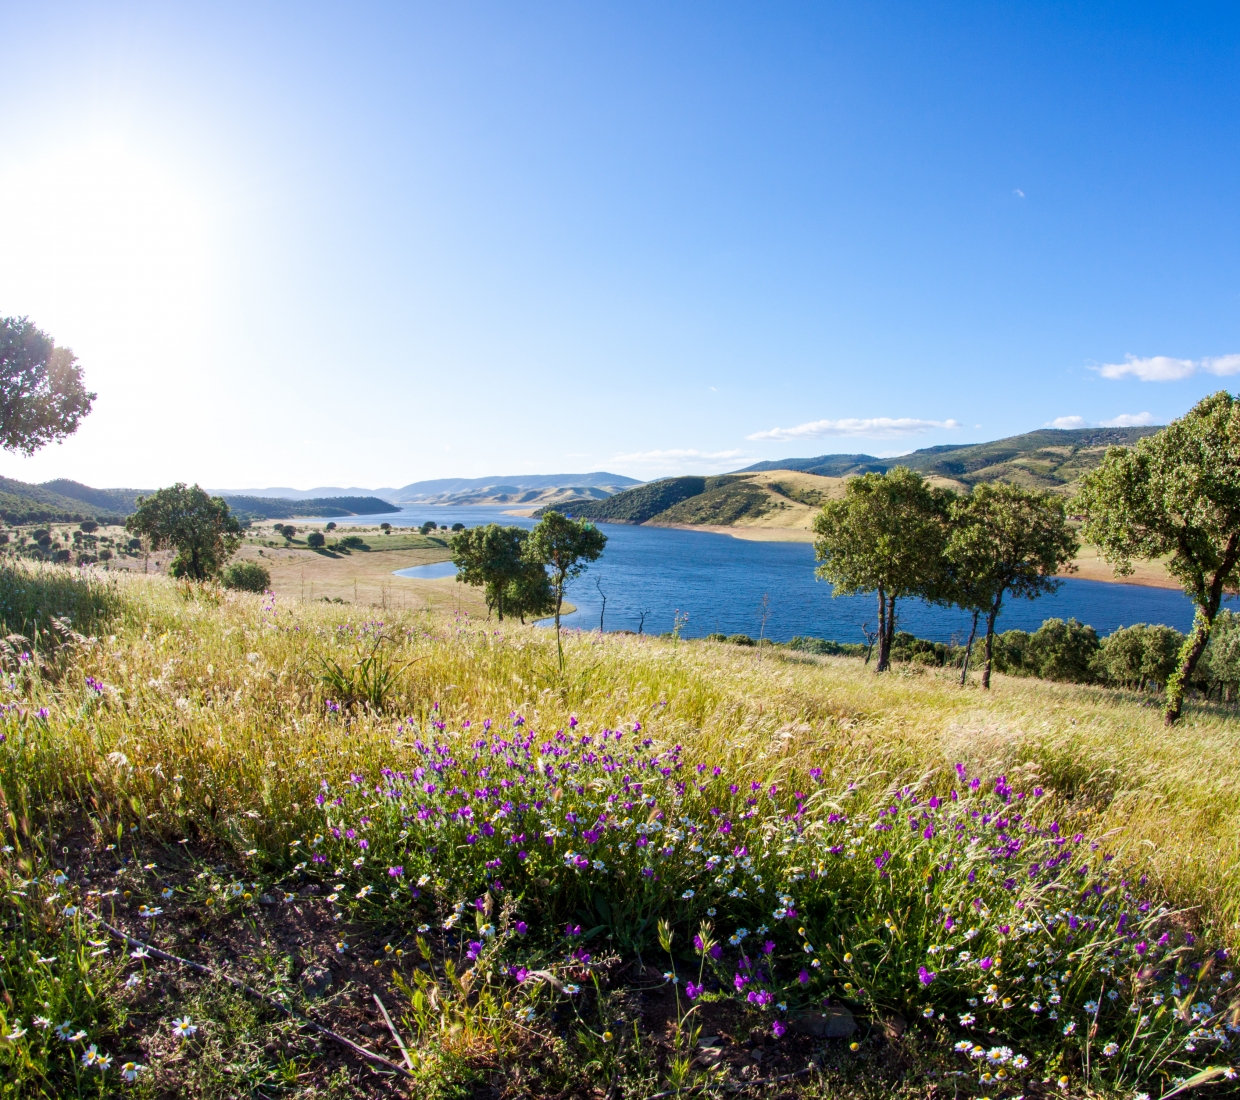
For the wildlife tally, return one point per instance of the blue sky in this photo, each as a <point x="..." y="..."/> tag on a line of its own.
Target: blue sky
<point x="368" y="244"/>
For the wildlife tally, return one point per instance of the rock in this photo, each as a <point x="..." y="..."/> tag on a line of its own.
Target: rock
<point x="835" y="1022"/>
<point x="266" y="899"/>
<point x="316" y="981"/>
<point x="894" y="1026"/>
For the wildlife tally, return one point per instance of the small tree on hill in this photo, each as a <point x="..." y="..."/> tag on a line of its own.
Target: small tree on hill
<point x="492" y="557"/>
<point x="886" y="536"/>
<point x="199" y="527"/>
<point x="1005" y="540"/>
<point x="530" y="592"/>
<point x="42" y="398"/>
<point x="1176" y="493"/>
<point x="566" y="546"/>
<point x="316" y="540"/>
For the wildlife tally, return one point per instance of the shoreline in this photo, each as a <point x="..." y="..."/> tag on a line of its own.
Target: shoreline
<point x="1089" y="564"/>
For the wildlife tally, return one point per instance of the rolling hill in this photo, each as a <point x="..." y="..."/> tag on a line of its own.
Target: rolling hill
<point x="66" y="501"/>
<point x="1049" y="458"/>
<point x="781" y="497"/>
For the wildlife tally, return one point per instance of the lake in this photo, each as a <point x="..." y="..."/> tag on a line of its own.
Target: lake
<point x="728" y="585"/>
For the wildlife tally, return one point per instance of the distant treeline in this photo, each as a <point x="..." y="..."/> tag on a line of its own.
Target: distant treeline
<point x="274" y="508"/>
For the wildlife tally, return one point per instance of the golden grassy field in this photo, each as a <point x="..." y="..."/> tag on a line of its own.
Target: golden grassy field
<point x="177" y="762"/>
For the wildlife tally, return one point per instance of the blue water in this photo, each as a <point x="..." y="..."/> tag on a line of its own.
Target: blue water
<point x="720" y="583"/>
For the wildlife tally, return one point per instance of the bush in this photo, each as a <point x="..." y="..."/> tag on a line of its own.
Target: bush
<point x="1139" y="655"/>
<point x="905" y="647"/>
<point x="740" y="639"/>
<point x="246" y="576"/>
<point x="823" y="648"/>
<point x="331" y="526"/>
<point x="1065" y="651"/>
<point x="316" y="540"/>
<point x="88" y="525"/>
<point x="458" y="527"/>
<point x="352" y="542"/>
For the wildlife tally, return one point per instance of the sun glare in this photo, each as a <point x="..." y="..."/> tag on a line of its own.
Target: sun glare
<point x="101" y="237"/>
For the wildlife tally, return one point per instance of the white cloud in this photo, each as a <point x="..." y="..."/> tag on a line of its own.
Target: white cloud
<point x="1018" y="193"/>
<point x="1128" y="420"/>
<point x="1123" y="420"/>
<point x="1163" y="368"/>
<point x="875" y="427"/>
<point x="665" y="457"/>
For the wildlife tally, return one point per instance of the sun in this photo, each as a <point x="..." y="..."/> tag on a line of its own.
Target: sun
<point x="100" y="233"/>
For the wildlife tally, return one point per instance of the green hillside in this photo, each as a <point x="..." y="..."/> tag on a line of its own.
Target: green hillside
<point x="274" y="508"/>
<point x="1049" y="458"/>
<point x="66" y="501"/>
<point x="721" y="504"/>
<point x="21" y="502"/>
<point x="642" y="503"/>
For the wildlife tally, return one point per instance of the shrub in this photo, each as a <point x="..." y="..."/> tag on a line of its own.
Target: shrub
<point x="246" y="576"/>
<point x="824" y="648"/>
<point x="88" y="525"/>
<point x="1065" y="650"/>
<point x="1135" y="656"/>
<point x="352" y="542"/>
<point x="331" y="526"/>
<point x="386" y="528"/>
<point x="740" y="639"/>
<point x="458" y="527"/>
<point x="316" y="540"/>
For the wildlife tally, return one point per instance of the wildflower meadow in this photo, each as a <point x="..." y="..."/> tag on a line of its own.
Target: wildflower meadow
<point x="669" y="868"/>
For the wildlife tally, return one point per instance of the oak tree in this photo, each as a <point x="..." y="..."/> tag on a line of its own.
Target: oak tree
<point x="1175" y="495"/>
<point x="199" y="527"/>
<point x="885" y="536"/>
<point x="1005" y="541"/>
<point x="566" y="546"/>
<point x="42" y="397"/>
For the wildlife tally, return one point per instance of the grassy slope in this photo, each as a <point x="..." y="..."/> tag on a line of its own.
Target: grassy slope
<point x="223" y="695"/>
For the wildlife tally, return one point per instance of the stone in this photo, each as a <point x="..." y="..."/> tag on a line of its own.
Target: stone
<point x="835" y="1022"/>
<point x="894" y="1026"/>
<point x="316" y="981"/>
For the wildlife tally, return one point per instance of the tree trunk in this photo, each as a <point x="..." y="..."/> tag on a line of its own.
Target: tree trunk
<point x="968" y="650"/>
<point x="990" y="640"/>
<point x="1195" y="644"/>
<point x="559" y="599"/>
<point x="884" y="653"/>
<point x="1190" y="653"/>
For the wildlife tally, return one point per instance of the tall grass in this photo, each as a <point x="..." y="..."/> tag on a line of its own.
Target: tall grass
<point x="217" y="718"/>
<point x="33" y="596"/>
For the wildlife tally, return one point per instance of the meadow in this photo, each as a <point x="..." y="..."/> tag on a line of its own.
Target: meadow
<point x="674" y="867"/>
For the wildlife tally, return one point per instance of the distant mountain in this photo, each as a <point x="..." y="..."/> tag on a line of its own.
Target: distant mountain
<point x="282" y="492"/>
<point x="1049" y="458"/>
<point x="464" y="490"/>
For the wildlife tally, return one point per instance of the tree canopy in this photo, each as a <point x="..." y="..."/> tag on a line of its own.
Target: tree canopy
<point x="886" y="535"/>
<point x="199" y="527"/>
<point x="1175" y="495"/>
<point x="42" y="396"/>
<point x="1004" y="541"/>
<point x="566" y="546"/>
<point x="493" y="557"/>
